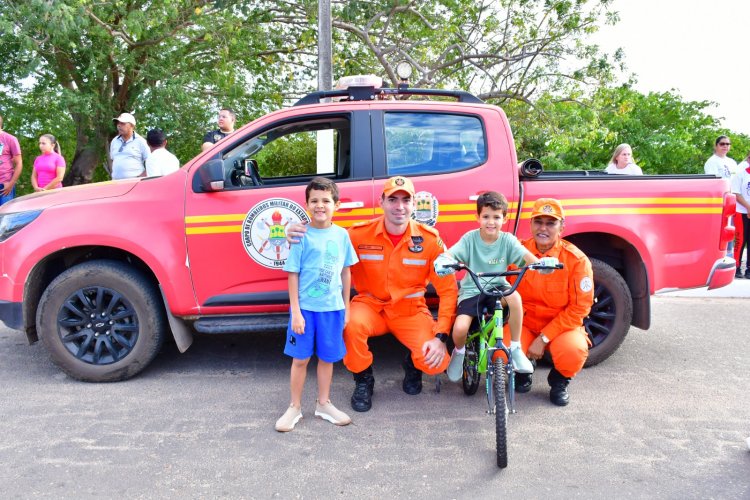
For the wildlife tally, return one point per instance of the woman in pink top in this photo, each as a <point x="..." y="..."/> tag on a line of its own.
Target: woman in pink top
<point x="49" y="167"/>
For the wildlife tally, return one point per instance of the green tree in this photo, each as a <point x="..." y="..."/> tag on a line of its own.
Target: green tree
<point x="173" y="63"/>
<point x="668" y="134"/>
<point x="500" y="50"/>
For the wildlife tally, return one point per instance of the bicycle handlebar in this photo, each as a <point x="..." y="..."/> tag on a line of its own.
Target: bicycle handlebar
<point x="495" y="292"/>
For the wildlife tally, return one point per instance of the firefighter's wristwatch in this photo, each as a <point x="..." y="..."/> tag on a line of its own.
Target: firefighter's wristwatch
<point x="442" y="336"/>
<point x="544" y="339"/>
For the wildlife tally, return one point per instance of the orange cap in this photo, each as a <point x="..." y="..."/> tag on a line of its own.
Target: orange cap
<point x="398" y="183"/>
<point x="548" y="206"/>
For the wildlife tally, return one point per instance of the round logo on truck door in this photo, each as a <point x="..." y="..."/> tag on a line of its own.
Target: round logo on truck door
<point x="264" y="230"/>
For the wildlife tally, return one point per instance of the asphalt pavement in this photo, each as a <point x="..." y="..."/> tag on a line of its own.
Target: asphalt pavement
<point x="667" y="416"/>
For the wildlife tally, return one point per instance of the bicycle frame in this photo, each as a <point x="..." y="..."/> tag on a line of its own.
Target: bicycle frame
<point x="490" y="337"/>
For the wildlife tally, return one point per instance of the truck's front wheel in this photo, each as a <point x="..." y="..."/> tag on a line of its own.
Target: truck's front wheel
<point x="609" y="320"/>
<point x="101" y="321"/>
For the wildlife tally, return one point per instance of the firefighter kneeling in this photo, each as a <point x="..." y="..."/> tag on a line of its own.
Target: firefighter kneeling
<point x="555" y="305"/>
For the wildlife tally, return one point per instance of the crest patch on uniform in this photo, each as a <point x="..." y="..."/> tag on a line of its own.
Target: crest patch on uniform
<point x="425" y="208"/>
<point x="415" y="245"/>
<point x="586" y="284"/>
<point x="264" y="230"/>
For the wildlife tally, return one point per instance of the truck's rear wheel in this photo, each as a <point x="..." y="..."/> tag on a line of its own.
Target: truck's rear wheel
<point x="609" y="320"/>
<point x="101" y="321"/>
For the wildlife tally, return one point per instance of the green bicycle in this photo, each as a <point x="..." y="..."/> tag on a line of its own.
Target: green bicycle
<point x="484" y="340"/>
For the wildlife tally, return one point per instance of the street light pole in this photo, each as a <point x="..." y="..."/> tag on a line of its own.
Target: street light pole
<point x="325" y="72"/>
<point x="325" y="144"/>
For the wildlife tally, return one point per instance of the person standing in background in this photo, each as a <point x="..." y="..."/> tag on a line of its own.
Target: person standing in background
<point x="161" y="161"/>
<point x="49" y="167"/>
<point x="721" y="165"/>
<point x="227" y="118"/>
<point x="11" y="164"/>
<point x="622" y="162"/>
<point x="128" y="150"/>
<point x="741" y="188"/>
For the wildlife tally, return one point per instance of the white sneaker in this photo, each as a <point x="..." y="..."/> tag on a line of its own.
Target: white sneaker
<point x="289" y="419"/>
<point x="329" y="412"/>
<point x="520" y="362"/>
<point x="456" y="367"/>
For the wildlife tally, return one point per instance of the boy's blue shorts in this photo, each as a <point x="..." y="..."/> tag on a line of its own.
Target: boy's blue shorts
<point x="324" y="337"/>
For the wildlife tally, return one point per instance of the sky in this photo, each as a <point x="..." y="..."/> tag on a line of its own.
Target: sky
<point x="699" y="48"/>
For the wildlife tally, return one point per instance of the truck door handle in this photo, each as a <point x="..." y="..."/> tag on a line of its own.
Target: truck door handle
<point x="349" y="205"/>
<point x="474" y="197"/>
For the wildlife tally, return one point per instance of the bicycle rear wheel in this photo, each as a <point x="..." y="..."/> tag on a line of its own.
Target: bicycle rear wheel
<point x="471" y="367"/>
<point x="501" y="414"/>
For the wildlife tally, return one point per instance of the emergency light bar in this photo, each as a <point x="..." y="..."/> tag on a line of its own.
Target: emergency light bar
<point x="369" y="88"/>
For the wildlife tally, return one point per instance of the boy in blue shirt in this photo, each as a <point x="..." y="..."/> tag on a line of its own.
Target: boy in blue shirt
<point x="319" y="289"/>
<point x="487" y="249"/>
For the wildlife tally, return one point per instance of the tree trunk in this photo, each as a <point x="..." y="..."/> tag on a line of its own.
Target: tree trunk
<point x="91" y="150"/>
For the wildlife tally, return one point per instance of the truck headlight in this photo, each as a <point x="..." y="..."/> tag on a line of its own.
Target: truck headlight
<point x="11" y="223"/>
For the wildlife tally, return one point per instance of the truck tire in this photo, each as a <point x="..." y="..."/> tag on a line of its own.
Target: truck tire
<point x="609" y="320"/>
<point x="101" y="321"/>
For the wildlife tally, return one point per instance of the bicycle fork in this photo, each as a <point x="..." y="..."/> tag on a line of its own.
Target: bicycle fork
<point x="510" y="380"/>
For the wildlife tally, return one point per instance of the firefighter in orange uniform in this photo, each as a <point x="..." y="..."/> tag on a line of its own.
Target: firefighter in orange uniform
<point x="396" y="257"/>
<point x="555" y="304"/>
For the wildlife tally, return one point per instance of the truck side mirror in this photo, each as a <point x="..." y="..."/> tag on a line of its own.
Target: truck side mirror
<point x="531" y="168"/>
<point x="211" y="176"/>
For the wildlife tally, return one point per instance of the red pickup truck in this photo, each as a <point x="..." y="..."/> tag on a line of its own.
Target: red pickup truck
<point x="102" y="273"/>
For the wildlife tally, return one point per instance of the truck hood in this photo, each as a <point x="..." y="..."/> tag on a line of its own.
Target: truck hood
<point x="72" y="194"/>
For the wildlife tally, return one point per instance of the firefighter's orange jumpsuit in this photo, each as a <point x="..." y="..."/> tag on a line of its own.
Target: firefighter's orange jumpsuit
<point x="390" y="283"/>
<point x="556" y="304"/>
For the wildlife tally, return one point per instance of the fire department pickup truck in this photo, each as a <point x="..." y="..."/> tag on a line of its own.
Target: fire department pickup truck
<point x="103" y="273"/>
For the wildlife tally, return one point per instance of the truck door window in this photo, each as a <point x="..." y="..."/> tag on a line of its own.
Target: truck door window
<point x="291" y="151"/>
<point x="419" y="143"/>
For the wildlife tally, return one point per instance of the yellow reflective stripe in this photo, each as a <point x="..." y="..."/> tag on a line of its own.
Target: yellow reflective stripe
<point x="196" y="219"/>
<point x="635" y="211"/>
<point x="213" y="229"/>
<point x="452" y="212"/>
<point x="633" y="201"/>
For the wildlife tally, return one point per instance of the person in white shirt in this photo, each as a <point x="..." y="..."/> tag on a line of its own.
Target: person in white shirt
<point x="622" y="162"/>
<point x="722" y="166"/>
<point x="128" y="150"/>
<point x="741" y="188"/>
<point x="719" y="164"/>
<point x="161" y="161"/>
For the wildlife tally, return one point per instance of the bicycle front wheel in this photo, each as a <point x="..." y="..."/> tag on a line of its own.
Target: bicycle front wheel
<point x="501" y="414"/>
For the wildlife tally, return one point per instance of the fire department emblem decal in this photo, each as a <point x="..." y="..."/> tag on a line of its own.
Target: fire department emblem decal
<point x="586" y="284"/>
<point x="425" y="208"/>
<point x="264" y="230"/>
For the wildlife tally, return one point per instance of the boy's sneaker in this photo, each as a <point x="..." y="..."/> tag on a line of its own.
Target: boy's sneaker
<point x="329" y="412"/>
<point x="456" y="367"/>
<point x="289" y="419"/>
<point x="521" y="362"/>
